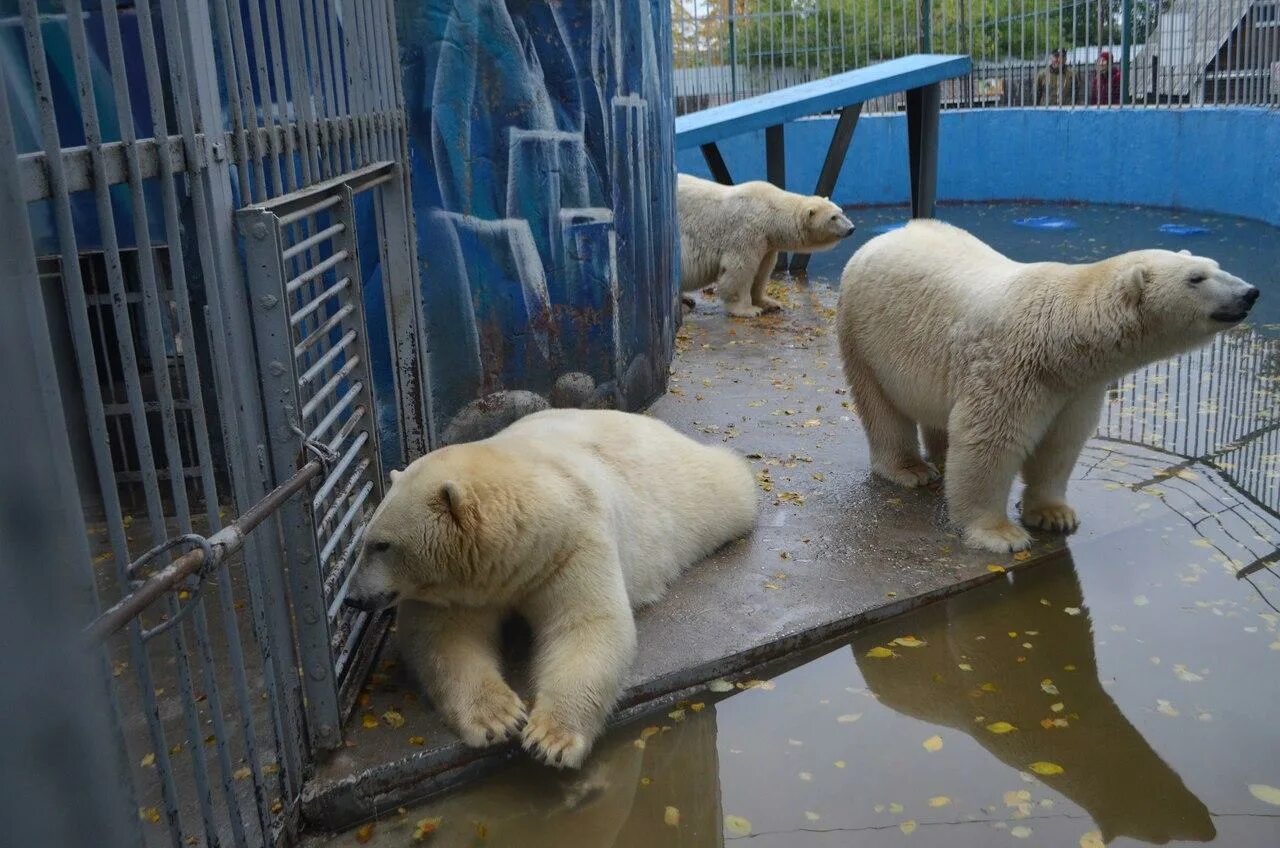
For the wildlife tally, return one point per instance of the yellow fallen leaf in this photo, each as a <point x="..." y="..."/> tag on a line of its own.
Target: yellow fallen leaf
<point x="242" y="773"/>
<point x="1047" y="687"/>
<point x="149" y="814"/>
<point x="939" y="801"/>
<point x="933" y="743"/>
<point x="1021" y="831"/>
<point x="1092" y="839"/>
<point x="1264" y="793"/>
<point x="989" y="687"/>
<point x="909" y="642"/>
<point x="1015" y="797"/>
<point x="720" y="685"/>
<point x="277" y="805"/>
<point x="1185" y="675"/>
<point x="149" y="760"/>
<point x="482" y="830"/>
<point x="908" y="827"/>
<point x="1045" y="768"/>
<point x="639" y="743"/>
<point x="426" y="827"/>
<point x="651" y="730"/>
<point x="965" y="667"/>
<point x="393" y="718"/>
<point x="737" y="826"/>
<point x="895" y="808"/>
<point x="698" y="707"/>
<point x="369" y="720"/>
<point x="880" y="652"/>
<point x="813" y="422"/>
<point x="676" y="715"/>
<point x="417" y="740"/>
<point x="671" y="816"/>
<point x="1071" y="610"/>
<point x="1058" y="707"/>
<point x="848" y="718"/>
<point x="364" y="833"/>
<point x="1000" y="727"/>
<point x="1022" y="556"/>
<point x="766" y="685"/>
<point x="805" y="776"/>
<point x="996" y="569"/>
<point x="839" y="763"/>
<point x="811" y="815"/>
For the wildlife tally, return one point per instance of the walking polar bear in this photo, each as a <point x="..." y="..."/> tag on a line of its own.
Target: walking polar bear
<point x="569" y="517"/>
<point x="1003" y="365"/>
<point x="731" y="236"/>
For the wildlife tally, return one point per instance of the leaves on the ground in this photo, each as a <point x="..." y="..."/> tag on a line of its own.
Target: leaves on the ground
<point x="939" y="801"/>
<point x="417" y="740"/>
<point x="148" y="761"/>
<point x="848" y="718"/>
<point x="720" y="685"/>
<point x="879" y="652"/>
<point x="933" y="743"/>
<point x="908" y="827"/>
<point x="364" y="833"/>
<point x="1186" y="675"/>
<point x="369" y="721"/>
<point x="426" y="827"/>
<point x="393" y="718"/>
<point x="1000" y="727"/>
<point x="1047" y="687"/>
<point x="737" y="826"/>
<point x="1092" y="839"/>
<point x="996" y="569"/>
<point x="1020" y="831"/>
<point x="242" y="773"/>
<point x="1071" y="610"/>
<point x="1264" y="793"/>
<point x="671" y="816"/>
<point x="149" y="814"/>
<point x="909" y="642"/>
<point x="1163" y="706"/>
<point x="1046" y="769"/>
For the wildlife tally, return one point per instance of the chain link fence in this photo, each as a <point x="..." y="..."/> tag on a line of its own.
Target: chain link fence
<point x="1072" y="53"/>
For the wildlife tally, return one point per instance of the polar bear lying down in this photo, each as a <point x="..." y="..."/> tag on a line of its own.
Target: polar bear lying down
<point x="1003" y="365"/>
<point x="571" y="518"/>
<point x="730" y="236"/>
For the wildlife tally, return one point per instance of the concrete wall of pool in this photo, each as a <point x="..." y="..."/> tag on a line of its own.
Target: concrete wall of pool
<point x="1213" y="160"/>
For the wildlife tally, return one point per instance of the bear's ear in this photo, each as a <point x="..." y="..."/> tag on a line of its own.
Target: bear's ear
<point x="461" y="507"/>
<point x="1184" y="252"/>
<point x="1132" y="281"/>
<point x="813" y="210"/>
<point x="395" y="475"/>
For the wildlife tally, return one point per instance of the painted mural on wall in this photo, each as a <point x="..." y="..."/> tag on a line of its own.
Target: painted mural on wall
<point x="541" y="140"/>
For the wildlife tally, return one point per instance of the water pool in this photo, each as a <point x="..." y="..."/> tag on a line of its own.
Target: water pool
<point x="1120" y="693"/>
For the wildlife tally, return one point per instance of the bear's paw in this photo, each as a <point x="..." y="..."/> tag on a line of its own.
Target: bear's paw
<point x="493" y="715"/>
<point x="1001" y="537"/>
<point x="550" y="740"/>
<point x="1059" y="518"/>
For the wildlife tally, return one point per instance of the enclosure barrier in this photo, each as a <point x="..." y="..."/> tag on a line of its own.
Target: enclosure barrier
<point x="1167" y="53"/>
<point x="134" y="138"/>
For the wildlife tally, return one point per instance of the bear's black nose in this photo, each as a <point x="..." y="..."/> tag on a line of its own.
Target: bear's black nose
<point x="1251" y="296"/>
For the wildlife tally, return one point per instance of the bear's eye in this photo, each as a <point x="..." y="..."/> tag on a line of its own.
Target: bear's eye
<point x="1196" y="279"/>
<point x="380" y="547"/>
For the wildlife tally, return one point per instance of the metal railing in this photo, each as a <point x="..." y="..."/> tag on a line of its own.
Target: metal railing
<point x="134" y="136"/>
<point x="1162" y="52"/>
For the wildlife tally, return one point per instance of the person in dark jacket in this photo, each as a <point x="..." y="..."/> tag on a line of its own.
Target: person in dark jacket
<point x="1056" y="85"/>
<point x="1104" y="90"/>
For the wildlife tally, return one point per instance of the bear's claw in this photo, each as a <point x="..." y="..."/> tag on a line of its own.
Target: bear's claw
<point x="1002" y="538"/>
<point x="554" y="744"/>
<point x="768" y="304"/>
<point x="1059" y="518"/>
<point x="744" y="311"/>
<point x="494" y="715"/>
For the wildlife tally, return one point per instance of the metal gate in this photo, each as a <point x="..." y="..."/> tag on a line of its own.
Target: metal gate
<point x="187" y="187"/>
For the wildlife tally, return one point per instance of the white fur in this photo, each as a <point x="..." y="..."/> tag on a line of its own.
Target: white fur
<point x="731" y="236"/>
<point x="571" y="518"/>
<point x="1003" y="365"/>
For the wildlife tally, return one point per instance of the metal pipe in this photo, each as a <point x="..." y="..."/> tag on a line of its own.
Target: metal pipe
<point x="224" y="543"/>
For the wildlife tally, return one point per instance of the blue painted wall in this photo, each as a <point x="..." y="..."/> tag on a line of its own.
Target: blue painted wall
<point x="1213" y="160"/>
<point x="541" y="144"/>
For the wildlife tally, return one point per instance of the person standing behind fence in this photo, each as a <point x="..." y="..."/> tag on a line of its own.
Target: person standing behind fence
<point x="1056" y="84"/>
<point x="1105" y="87"/>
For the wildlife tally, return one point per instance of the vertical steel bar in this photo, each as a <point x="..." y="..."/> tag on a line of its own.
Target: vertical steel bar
<point x="922" y="143"/>
<point x="263" y="248"/>
<point x="270" y="95"/>
<point x="342" y="115"/>
<point x="324" y="97"/>
<point x="356" y="93"/>
<point x="245" y="108"/>
<point x="300" y="94"/>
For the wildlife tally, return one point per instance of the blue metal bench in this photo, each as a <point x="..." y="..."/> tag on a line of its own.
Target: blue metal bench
<point x="920" y="76"/>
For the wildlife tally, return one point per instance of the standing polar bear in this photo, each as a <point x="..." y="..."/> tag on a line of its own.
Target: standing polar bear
<point x="1004" y="365"/>
<point x="731" y="236"/>
<point x="569" y="517"/>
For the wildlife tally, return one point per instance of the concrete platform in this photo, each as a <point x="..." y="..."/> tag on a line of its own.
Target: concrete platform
<point x="834" y="549"/>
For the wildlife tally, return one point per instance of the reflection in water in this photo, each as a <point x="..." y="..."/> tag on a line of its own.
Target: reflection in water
<point x="1039" y="673"/>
